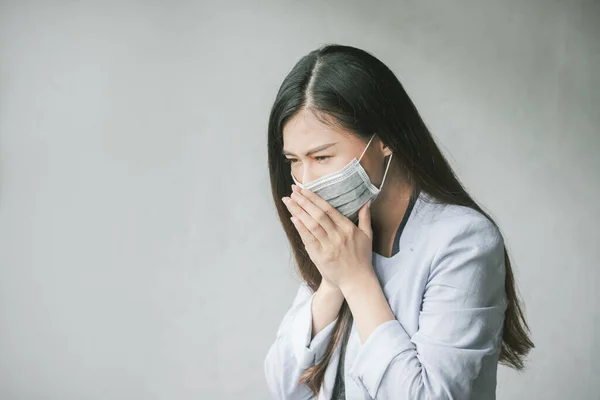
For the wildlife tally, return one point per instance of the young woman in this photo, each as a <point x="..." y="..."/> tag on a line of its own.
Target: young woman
<point x="407" y="288"/>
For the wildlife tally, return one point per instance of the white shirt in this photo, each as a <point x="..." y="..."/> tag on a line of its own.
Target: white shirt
<point x="445" y="287"/>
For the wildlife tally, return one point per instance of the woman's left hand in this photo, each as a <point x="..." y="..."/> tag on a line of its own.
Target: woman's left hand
<point x="340" y="250"/>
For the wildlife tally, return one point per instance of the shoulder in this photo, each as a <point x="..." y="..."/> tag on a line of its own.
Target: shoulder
<point x="446" y="225"/>
<point x="466" y="255"/>
<point x="466" y="224"/>
<point x="467" y="251"/>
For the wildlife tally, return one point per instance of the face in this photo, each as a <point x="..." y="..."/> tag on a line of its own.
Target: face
<point x="314" y="149"/>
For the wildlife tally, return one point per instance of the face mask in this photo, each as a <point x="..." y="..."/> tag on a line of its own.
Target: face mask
<point x="347" y="189"/>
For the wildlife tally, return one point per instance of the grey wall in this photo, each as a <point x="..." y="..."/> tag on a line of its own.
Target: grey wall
<point x="140" y="254"/>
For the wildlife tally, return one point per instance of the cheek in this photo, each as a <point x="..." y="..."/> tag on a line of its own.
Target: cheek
<point x="337" y="163"/>
<point x="372" y="170"/>
<point x="327" y="167"/>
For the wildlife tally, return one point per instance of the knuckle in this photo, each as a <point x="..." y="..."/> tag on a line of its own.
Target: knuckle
<point x="343" y="240"/>
<point x="312" y="226"/>
<point x="348" y="230"/>
<point x="321" y="216"/>
<point x="329" y="210"/>
<point x="343" y="231"/>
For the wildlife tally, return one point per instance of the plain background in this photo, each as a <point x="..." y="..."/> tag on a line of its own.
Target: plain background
<point x="140" y="253"/>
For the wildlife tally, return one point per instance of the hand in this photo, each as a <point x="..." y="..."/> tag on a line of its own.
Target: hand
<point x="340" y="250"/>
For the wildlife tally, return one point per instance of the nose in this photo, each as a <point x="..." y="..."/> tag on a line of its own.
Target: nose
<point x="306" y="176"/>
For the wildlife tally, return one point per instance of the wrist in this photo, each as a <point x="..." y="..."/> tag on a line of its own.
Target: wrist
<point x="363" y="279"/>
<point x="330" y="291"/>
<point x="327" y="286"/>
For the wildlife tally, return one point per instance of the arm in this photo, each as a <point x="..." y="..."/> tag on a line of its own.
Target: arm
<point x="326" y="306"/>
<point x="301" y="340"/>
<point x="460" y="323"/>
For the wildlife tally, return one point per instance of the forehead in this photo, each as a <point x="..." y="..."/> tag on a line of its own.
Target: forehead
<point x="304" y="130"/>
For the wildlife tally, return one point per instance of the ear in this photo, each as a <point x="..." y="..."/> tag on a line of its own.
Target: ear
<point x="384" y="149"/>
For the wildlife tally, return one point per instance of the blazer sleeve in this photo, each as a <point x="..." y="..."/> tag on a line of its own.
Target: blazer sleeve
<point x="293" y="351"/>
<point x="460" y="323"/>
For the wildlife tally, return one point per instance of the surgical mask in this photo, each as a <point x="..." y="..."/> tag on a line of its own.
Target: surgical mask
<point x="347" y="189"/>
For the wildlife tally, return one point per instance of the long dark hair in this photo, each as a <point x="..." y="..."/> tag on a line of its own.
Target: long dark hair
<point x="352" y="88"/>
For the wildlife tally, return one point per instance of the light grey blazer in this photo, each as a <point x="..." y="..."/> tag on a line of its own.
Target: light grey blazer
<point x="445" y="287"/>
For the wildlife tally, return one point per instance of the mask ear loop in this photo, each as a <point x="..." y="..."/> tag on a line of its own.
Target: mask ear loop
<point x="386" y="171"/>
<point x="366" y="147"/>
<point x="386" y="168"/>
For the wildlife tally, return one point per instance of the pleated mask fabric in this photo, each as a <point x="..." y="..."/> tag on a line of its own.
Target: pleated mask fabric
<point x="347" y="189"/>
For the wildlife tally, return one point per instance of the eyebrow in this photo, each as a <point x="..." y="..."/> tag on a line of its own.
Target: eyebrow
<point x="308" y="153"/>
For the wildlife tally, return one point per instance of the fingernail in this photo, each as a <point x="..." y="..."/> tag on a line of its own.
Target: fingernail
<point x="284" y="199"/>
<point x="294" y="188"/>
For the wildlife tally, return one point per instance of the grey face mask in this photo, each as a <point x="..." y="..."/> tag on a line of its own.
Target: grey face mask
<point x="347" y="189"/>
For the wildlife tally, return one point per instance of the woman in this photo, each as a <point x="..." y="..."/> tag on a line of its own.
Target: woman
<point x="407" y="288"/>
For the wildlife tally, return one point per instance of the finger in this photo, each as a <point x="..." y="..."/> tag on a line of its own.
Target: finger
<point x="307" y="238"/>
<point x="364" y="219"/>
<point x="308" y="221"/>
<point x="311" y="208"/>
<point x="337" y="217"/>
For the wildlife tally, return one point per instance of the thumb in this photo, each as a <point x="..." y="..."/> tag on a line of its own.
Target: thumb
<point x="364" y="219"/>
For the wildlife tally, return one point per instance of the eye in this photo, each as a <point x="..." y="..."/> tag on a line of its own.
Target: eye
<point x="290" y="160"/>
<point x="321" y="158"/>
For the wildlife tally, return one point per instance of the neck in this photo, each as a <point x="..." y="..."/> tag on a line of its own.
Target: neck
<point x="387" y="211"/>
